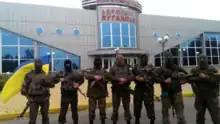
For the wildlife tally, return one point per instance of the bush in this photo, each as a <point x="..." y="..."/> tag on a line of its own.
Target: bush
<point x="3" y="79"/>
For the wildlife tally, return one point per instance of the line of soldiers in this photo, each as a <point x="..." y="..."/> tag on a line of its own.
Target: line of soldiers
<point x="203" y="79"/>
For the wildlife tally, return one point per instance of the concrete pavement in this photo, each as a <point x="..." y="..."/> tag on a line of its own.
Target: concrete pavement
<point x="83" y="116"/>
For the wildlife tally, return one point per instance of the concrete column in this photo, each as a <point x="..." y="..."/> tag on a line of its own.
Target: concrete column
<point x="202" y="39"/>
<point x="0" y="51"/>
<point x="35" y="50"/>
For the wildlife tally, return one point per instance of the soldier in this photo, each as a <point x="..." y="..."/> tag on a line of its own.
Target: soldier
<point x="171" y="94"/>
<point x="144" y="90"/>
<point x="36" y="89"/>
<point x="97" y="90"/>
<point x="206" y="91"/>
<point x="69" y="87"/>
<point x="120" y="76"/>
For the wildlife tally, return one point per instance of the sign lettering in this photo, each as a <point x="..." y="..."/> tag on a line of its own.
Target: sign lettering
<point x="118" y="14"/>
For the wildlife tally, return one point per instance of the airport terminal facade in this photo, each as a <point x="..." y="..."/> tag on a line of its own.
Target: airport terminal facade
<point x="32" y="31"/>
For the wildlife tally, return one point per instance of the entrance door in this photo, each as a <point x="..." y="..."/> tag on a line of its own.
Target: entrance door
<point x="107" y="63"/>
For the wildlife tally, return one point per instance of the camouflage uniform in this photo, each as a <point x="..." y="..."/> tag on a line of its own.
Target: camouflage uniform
<point x="36" y="89"/>
<point x="97" y="91"/>
<point x="120" y="89"/>
<point x="69" y="93"/>
<point x="206" y="91"/>
<point x="144" y="91"/>
<point x="171" y="92"/>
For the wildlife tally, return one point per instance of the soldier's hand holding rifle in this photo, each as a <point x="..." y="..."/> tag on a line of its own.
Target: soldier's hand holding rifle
<point x="202" y="75"/>
<point x="122" y="80"/>
<point x="139" y="78"/>
<point x="97" y="77"/>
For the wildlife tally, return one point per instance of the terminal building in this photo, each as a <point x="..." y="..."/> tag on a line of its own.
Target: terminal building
<point x="32" y="31"/>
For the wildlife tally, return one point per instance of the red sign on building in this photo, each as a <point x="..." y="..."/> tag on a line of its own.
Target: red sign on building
<point x="118" y="14"/>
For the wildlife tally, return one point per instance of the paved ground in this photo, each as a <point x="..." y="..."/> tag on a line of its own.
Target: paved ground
<point x="189" y="112"/>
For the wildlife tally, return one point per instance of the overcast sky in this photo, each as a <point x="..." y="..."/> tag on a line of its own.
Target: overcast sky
<point x="203" y="9"/>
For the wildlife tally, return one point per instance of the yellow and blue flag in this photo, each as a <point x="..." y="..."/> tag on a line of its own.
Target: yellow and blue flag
<point x="14" y="83"/>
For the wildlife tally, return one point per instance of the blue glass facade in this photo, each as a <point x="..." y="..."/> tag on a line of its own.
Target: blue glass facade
<point x="17" y="49"/>
<point x="113" y="35"/>
<point x="187" y="52"/>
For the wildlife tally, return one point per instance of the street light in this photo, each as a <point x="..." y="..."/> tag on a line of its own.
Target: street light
<point x="163" y="42"/>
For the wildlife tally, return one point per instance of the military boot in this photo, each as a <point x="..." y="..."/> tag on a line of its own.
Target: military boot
<point x="103" y="121"/>
<point x="137" y="121"/>
<point x="152" y="122"/>
<point x="128" y="122"/>
<point x="75" y="122"/>
<point x="91" y="122"/>
<point x="114" y="122"/>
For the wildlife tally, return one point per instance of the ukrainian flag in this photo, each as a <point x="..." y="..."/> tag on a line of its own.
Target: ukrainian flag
<point x="14" y="83"/>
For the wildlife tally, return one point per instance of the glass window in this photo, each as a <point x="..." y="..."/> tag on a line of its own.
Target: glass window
<point x="214" y="51"/>
<point x="124" y="29"/>
<point x="215" y="60"/>
<point x="125" y="41"/>
<point x="191" y="43"/>
<point x="185" y="52"/>
<point x="213" y="42"/>
<point x="133" y="42"/>
<point x="105" y="28"/>
<point x="192" y="51"/>
<point x="174" y="51"/>
<point x="43" y="50"/>
<point x="9" y="52"/>
<point x="9" y="65"/>
<point x="9" y="38"/>
<point x="185" y="61"/>
<point x="207" y="43"/>
<point x="76" y="62"/>
<point x="105" y="64"/>
<point x="115" y="28"/>
<point x="106" y="41"/>
<point x="157" y="56"/>
<point x="198" y="51"/>
<point x="208" y="52"/>
<point x="209" y="60"/>
<point x="192" y="60"/>
<point x="59" y="54"/>
<point x="198" y="42"/>
<point x="219" y="51"/>
<point x="116" y="41"/>
<point x="26" y="41"/>
<point x="157" y="62"/>
<point x="132" y="30"/>
<point x="58" y="64"/>
<point x="26" y="53"/>
<point x="24" y="60"/>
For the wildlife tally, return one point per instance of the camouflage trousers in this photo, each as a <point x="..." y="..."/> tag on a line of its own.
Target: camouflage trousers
<point x="44" y="108"/>
<point x="177" y="103"/>
<point x="65" y="102"/>
<point x="116" y="101"/>
<point x="210" y="102"/>
<point x="102" y="108"/>
<point x="139" y="98"/>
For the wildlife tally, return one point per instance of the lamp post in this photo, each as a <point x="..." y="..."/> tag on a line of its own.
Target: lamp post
<point x="162" y="42"/>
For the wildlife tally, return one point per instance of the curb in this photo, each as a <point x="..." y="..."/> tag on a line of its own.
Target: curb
<point x="11" y="116"/>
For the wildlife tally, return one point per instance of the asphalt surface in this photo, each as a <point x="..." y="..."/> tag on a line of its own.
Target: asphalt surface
<point x="190" y="115"/>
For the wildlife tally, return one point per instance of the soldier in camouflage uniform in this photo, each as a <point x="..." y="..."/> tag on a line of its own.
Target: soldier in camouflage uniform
<point x="171" y="94"/>
<point x="36" y="89"/>
<point x="69" y="86"/>
<point x="97" y="90"/>
<point x="144" y="90"/>
<point x="206" y="91"/>
<point x="120" y="76"/>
